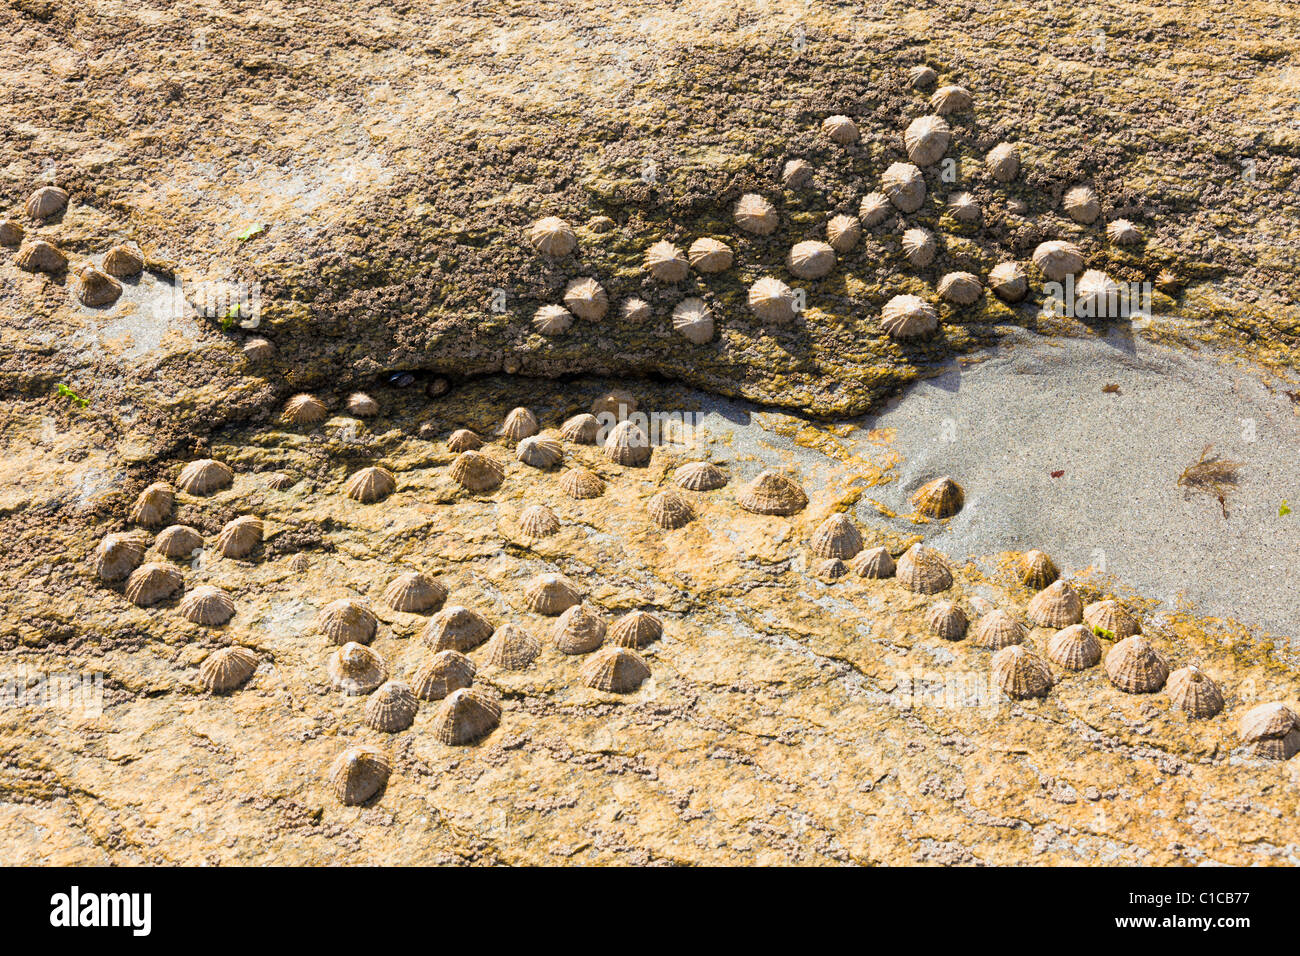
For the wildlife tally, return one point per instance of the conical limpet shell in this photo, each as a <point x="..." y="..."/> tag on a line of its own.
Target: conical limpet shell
<point x="964" y="208"/>
<point x="204" y="477"/>
<point x="305" y="409"/>
<point x="841" y="130"/>
<point x="950" y="99"/>
<point x="96" y="289"/>
<point x="1058" y="259"/>
<point x="346" y="620"/>
<point x="1268" y="722"/>
<point x="618" y="403"/>
<point x="1036" y="570"/>
<point x="919" y="247"/>
<point x="832" y="569"/>
<point x="635" y="310"/>
<point x="923" y="570"/>
<point x="512" y="648"/>
<point x="413" y="593"/>
<point x="581" y="483"/>
<point x="1133" y="665"/>
<point x="1112" y="617"/>
<point x="476" y="472"/>
<point x="37" y="255"/>
<point x="905" y="187"/>
<point x="926" y="139"/>
<point x="874" y="210"/>
<point x="921" y="77"/>
<point x="463" y="439"/>
<point x="391" y="708"/>
<point x="772" y="300"/>
<point x="700" y="476"/>
<point x="666" y="262"/>
<point x="151" y="583"/>
<point x="1081" y="204"/>
<point x="940" y="498"/>
<point x="117" y="556"/>
<point x="1056" y="605"/>
<point x="581" y="429"/>
<point x="358" y="774"/>
<point x="123" y="261"/>
<point x="1008" y="281"/>
<point x="1123" y="233"/>
<point x="670" y="510"/>
<point x="1003" y="162"/>
<point x="947" y="620"/>
<point x="960" y="288"/>
<point x="905" y="316"/>
<point x="998" y="629"/>
<point x="153" y="505"/>
<point x="227" y="668"/>
<point x="875" y="563"/>
<point x="45" y="202"/>
<point x="772" y="493"/>
<point x="456" y="628"/>
<point x="258" y="349"/>
<point x="538" y="521"/>
<point x="1168" y="283"/>
<point x="627" y="444"/>
<point x="552" y="236"/>
<point x="519" y="423"/>
<point x="810" y="259"/>
<point x="1097" y="295"/>
<point x="1075" y="648"/>
<point x="615" y="670"/>
<point x="579" y="630"/>
<point x="466" y="715"/>
<point x="756" y="215"/>
<point x="361" y="405"/>
<point x="239" y="537"/>
<point x="586" y="299"/>
<point x="843" y="233"/>
<point x="11" y="232"/>
<point x="444" y="673"/>
<point x="1191" y="691"/>
<point x="796" y="174"/>
<point x="693" y="320"/>
<point x="550" y="594"/>
<point x="356" y="669"/>
<point x="836" y="537"/>
<point x="370" y="485"/>
<point x="1279" y="748"/>
<point x="635" y="629"/>
<point x="539" y="451"/>
<point x="710" y="256"/>
<point x="207" y="605"/>
<point x="1021" y="673"/>
<point x="552" y="320"/>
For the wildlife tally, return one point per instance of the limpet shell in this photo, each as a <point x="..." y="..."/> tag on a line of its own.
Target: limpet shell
<point x="1057" y="259"/>
<point x="371" y="484"/>
<point x="37" y="255"/>
<point x="950" y="99"/>
<point x="345" y="621"/>
<point x="391" y="708"/>
<point x="1192" y="691"/>
<point x="123" y="261"/>
<point x="1279" y="748"/>
<point x="96" y="289"/>
<point x="635" y="310"/>
<point x="772" y="493"/>
<point x="550" y="594"/>
<point x="1008" y="281"/>
<point x="841" y="130"/>
<point x="1081" y="205"/>
<point x="456" y="628"/>
<point x="227" y="668"/>
<point x="45" y="202"/>
<point x="581" y="429"/>
<point x="1113" y="617"/>
<point x="832" y="569"/>
<point x="905" y="316"/>
<point x="905" y="187"/>
<point x="413" y="593"/>
<point x="998" y="629"/>
<point x="1267" y="721"/>
<point x="117" y="556"/>
<point x="666" y="262"/>
<point x="1003" y="162"/>
<point x="476" y="472"/>
<point x="538" y="521"/>
<point x="361" y="405"/>
<point x="1036" y="570"/>
<point x="552" y="320"/>
<point x="464" y="716"/>
<point x="539" y="451"/>
<point x="1021" y="673"/>
<point x="670" y="510"/>
<point x="519" y="423"/>
<point x="940" y="498"/>
<point x="204" y="477"/>
<point x="446" y="671"/>
<point x="921" y="77"/>
<point x="843" y="233"/>
<point x="924" y="570"/>
<point x="512" y="648"/>
<point x="357" y="774"/>
<point x="305" y="409"/>
<point x="586" y="299"/>
<point x="11" y="232"/>
<point x="635" y="629"/>
<point x="1097" y="295"/>
<point x="1123" y="233"/>
<point x="581" y="483"/>
<point x="810" y="259"/>
<point x="700" y="476"/>
<point x="1075" y="648"/>
<point x="710" y="256"/>
<point x="1136" y="667"/>
<point x="151" y="583"/>
<point x="836" y="537"/>
<point x="693" y="319"/>
<point x="615" y="670"/>
<point x="875" y="563"/>
<point x="618" y="403"/>
<point x="772" y="300"/>
<point x="919" y="246"/>
<point x="153" y="505"/>
<point x="926" y="139"/>
<point x="964" y="208"/>
<point x="579" y="630"/>
<point x="874" y="209"/>
<point x="356" y="669"/>
<point x="796" y="174"/>
<point x="258" y="349"/>
<point x="627" y="444"/>
<point x="207" y="605"/>
<point x="463" y="439"/>
<point x="755" y="215"/>
<point x="1168" y="283"/>
<point x="947" y="620"/>
<point x="1056" y="605"/>
<point x="239" y="537"/>
<point x="552" y="236"/>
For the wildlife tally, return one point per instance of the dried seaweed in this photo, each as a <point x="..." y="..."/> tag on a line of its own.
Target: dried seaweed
<point x="1213" y="475"/>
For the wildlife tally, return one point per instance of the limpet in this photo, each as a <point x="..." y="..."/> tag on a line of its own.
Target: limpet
<point x="772" y="493"/>
<point x="1168" y="283"/>
<point x="1057" y="259"/>
<point x="1274" y="730"/>
<point x="950" y="99"/>
<point x="586" y="299"/>
<point x="635" y="310"/>
<point x="550" y="594"/>
<point x="618" y="403"/>
<point x="207" y="605"/>
<point x="258" y="349"/>
<point x="581" y="429"/>
<point x="464" y="716"/>
<point x="832" y="569"/>
<point x="940" y="498"/>
<point x="240" y="536"/>
<point x="1097" y="295"/>
<point x="919" y="246"/>
<point x="810" y="259"/>
<point x="1081" y="205"/>
<point x="700" y="476"/>
<point x="670" y="510"/>
<point x="756" y="215"/>
<point x="1123" y="233"/>
<point x="905" y="187"/>
<point x="615" y="670"/>
<point x="413" y="593"/>
<point x="153" y="505"/>
<point x="926" y="139"/>
<point x="345" y="621"/>
<point x="512" y="648"/>
<point x="921" y="76"/>
<point x="96" y="289"/>
<point x="204" y="477"/>
<point x="305" y="409"/>
<point x="905" y="316"/>
<point x="476" y="472"/>
<point x="519" y="423"/>
<point x="463" y="439"/>
<point x="1112" y="617"/>
<point x="357" y="774"/>
<point x="151" y="583"/>
<point x="1021" y="673"/>
<point x="1075" y="648"/>
<point x="1056" y="605"/>
<point x="362" y="405"/>
<point x="1003" y="162"/>
<point x="579" y="630"/>
<point x="11" y="232"/>
<point x="1008" y="281"/>
<point x="843" y="233"/>
<point x="693" y="319"/>
<point x="627" y="444"/>
<point x="391" y="708"/>
<point x="1036" y="570"/>
<point x="841" y="130"/>
<point x="581" y="483"/>
<point x="875" y="563"/>
<point x="539" y="451"/>
<point x="874" y="209"/>
<point x="356" y="669"/>
<point x="836" y="537"/>
<point x="964" y="208"/>
<point x="456" y="628"/>
<point x="796" y="174"/>
<point x="1193" y="692"/>
<point x="371" y="484"/>
<point x="37" y="255"/>
<point x="710" y="256"/>
<point x="923" y="570"/>
<point x="771" y="300"/>
<point x="123" y="261"/>
<point x="227" y="668"/>
<point x="1133" y="665"/>
<point x="666" y="262"/>
<point x="998" y="629"/>
<point x="635" y="629"/>
<point x="538" y="521"/>
<point x="552" y="320"/>
<point x="45" y="202"/>
<point x="552" y="236"/>
<point x="446" y="671"/>
<point x="117" y="556"/>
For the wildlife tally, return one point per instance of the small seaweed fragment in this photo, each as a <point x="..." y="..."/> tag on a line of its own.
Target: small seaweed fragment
<point x="1283" y="509"/>
<point x="64" y="392"/>
<point x="1103" y="632"/>
<point x="1059" y="473"/>
<point x="1212" y="475"/>
<point x="1110" y="388"/>
<point x="251" y="231"/>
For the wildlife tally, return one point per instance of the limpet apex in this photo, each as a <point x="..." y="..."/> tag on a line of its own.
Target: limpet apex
<point x="356" y="669"/>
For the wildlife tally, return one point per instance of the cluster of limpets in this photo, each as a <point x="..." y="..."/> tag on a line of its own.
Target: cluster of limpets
<point x="902" y="192"/>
